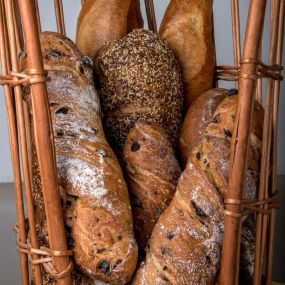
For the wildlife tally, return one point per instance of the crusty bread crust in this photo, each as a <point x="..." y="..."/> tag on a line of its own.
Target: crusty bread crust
<point x="152" y="175"/>
<point x="185" y="246"/>
<point x="187" y="27"/>
<point x="197" y="119"/>
<point x="101" y="21"/>
<point x="93" y="191"/>
<point x="135" y="19"/>
<point x="140" y="81"/>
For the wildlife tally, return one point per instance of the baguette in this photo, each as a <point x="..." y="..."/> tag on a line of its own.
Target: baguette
<point x="94" y="194"/>
<point x="101" y="21"/>
<point x="152" y="175"/>
<point x="187" y="27"/>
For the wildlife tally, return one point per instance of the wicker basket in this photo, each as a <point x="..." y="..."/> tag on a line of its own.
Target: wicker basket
<point x="20" y="25"/>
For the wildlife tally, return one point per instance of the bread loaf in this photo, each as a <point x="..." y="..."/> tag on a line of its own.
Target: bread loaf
<point x="135" y="19"/>
<point x="185" y="246"/>
<point x="94" y="194"/>
<point x="101" y="21"/>
<point x="187" y="27"/>
<point x="197" y="119"/>
<point x="140" y="81"/>
<point x="152" y="172"/>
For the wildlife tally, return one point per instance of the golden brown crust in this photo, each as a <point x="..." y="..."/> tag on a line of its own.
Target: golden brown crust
<point x="99" y="22"/>
<point x="135" y="19"/>
<point x="187" y="27"/>
<point x="197" y="119"/>
<point x="140" y="81"/>
<point x="185" y="245"/>
<point x="206" y="173"/>
<point x="93" y="192"/>
<point x="152" y="172"/>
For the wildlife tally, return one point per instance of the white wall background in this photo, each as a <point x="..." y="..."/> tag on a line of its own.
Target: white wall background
<point x="224" y="56"/>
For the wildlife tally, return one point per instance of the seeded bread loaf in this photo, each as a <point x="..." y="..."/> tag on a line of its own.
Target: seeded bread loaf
<point x="101" y="21"/>
<point x="140" y="81"/>
<point x="187" y="27"/>
<point x="94" y="194"/>
<point x="152" y="175"/>
<point x="185" y="246"/>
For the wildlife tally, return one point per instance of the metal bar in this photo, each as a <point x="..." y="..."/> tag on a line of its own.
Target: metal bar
<point x="150" y="12"/>
<point x="262" y="220"/>
<point x="59" y="16"/>
<point x="14" y="150"/>
<point x="240" y="141"/>
<point x="38" y="16"/>
<point x="236" y="32"/>
<point x="44" y="141"/>
<point x="272" y="218"/>
<point x="21" y="124"/>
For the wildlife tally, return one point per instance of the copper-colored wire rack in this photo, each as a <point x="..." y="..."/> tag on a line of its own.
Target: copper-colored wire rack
<point x="20" y="25"/>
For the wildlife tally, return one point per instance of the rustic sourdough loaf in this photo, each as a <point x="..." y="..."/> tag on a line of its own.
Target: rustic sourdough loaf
<point x="94" y="195"/>
<point x="187" y="27"/>
<point x="152" y="175"/>
<point x="140" y="81"/>
<point x="185" y="246"/>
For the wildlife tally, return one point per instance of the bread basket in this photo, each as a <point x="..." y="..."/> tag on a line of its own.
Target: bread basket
<point x="20" y="25"/>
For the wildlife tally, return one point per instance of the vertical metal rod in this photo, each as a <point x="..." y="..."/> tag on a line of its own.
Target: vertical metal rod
<point x="272" y="218"/>
<point x="59" y="16"/>
<point x="14" y="150"/>
<point x="44" y="140"/>
<point x="236" y="33"/>
<point x="23" y="145"/>
<point x="240" y="142"/>
<point x="150" y="12"/>
<point x="38" y="16"/>
<point x="262" y="220"/>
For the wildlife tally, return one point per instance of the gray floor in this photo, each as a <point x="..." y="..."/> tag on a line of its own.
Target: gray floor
<point x="9" y="271"/>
